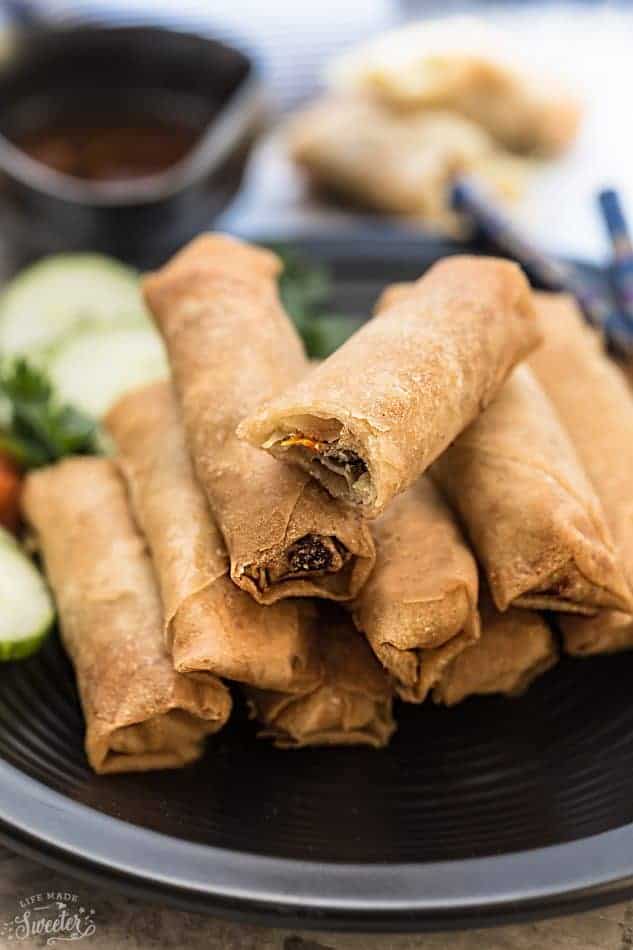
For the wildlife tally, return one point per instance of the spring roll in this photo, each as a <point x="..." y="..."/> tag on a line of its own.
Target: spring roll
<point x="419" y="608"/>
<point x="594" y="404"/>
<point x="352" y="705"/>
<point x="531" y="514"/>
<point x="140" y="714"/>
<point x="399" y="164"/>
<point x="459" y="64"/>
<point x="230" y="345"/>
<point x="210" y="624"/>
<point x="514" y="649"/>
<point x="373" y="416"/>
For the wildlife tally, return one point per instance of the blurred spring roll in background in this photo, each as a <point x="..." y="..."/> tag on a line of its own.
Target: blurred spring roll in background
<point x="352" y="705"/>
<point x="372" y="417"/>
<point x="140" y="714"/>
<point x="464" y="65"/>
<point x="210" y="623"/>
<point x="419" y="608"/>
<point x="399" y="164"/>
<point x="231" y="345"/>
<point x="514" y="649"/>
<point x="529" y="510"/>
<point x="594" y="403"/>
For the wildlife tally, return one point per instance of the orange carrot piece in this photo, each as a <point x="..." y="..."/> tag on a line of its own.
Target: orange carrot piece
<point x="10" y="490"/>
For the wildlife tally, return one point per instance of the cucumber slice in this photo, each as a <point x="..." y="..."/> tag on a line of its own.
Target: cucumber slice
<point x="91" y="369"/>
<point x="26" y="607"/>
<point x="52" y="297"/>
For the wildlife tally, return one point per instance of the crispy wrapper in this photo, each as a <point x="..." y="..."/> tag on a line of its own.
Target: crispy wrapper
<point x="373" y="416"/>
<point x="350" y="706"/>
<point x="230" y="345"/>
<point x="515" y="648"/>
<point x="140" y="714"/>
<point x="397" y="163"/>
<point x="594" y="404"/>
<point x="419" y="608"/>
<point x="531" y="514"/>
<point x="457" y="64"/>
<point x="210" y="624"/>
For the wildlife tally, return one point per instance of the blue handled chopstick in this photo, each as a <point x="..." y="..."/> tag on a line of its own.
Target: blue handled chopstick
<point x="621" y="268"/>
<point x="469" y="197"/>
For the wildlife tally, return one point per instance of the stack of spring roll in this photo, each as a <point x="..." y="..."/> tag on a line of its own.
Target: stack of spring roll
<point x="394" y="521"/>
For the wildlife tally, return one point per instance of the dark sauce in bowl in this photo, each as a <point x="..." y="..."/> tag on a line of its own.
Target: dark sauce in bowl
<point x="137" y="137"/>
<point x="110" y="149"/>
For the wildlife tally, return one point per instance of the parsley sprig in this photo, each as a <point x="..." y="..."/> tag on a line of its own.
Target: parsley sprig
<point x="306" y="290"/>
<point x="35" y="428"/>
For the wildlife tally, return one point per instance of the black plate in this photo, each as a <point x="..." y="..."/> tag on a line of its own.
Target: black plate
<point x="490" y="810"/>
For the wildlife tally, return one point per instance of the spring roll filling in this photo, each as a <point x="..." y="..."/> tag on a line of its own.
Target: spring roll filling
<point x="340" y="469"/>
<point x="309" y="556"/>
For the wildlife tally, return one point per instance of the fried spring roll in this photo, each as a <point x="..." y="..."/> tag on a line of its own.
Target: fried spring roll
<point x="594" y="404"/>
<point x="395" y="163"/>
<point x="230" y="345"/>
<point x="531" y="514"/>
<point x="140" y="714"/>
<point x="350" y="706"/>
<point x="514" y="649"/>
<point x="372" y="417"/>
<point x="419" y="608"/>
<point x="457" y="64"/>
<point x="210" y="624"/>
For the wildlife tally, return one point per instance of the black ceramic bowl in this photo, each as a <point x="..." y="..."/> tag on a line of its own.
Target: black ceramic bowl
<point x="93" y="71"/>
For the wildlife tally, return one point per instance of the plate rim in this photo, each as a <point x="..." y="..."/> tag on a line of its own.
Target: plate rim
<point x="276" y="891"/>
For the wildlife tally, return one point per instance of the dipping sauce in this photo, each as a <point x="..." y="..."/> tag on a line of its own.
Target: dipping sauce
<point x="120" y="150"/>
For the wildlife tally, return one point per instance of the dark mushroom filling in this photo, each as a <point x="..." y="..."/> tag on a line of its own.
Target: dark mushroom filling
<point x="344" y="462"/>
<point x="309" y="554"/>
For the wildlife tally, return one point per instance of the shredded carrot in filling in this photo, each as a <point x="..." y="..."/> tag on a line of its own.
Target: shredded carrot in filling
<point x="306" y="442"/>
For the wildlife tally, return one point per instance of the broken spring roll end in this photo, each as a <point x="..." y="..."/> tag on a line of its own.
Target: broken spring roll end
<point x="329" y="454"/>
<point x="231" y="345"/>
<point x="372" y="417"/>
<point x="210" y="623"/>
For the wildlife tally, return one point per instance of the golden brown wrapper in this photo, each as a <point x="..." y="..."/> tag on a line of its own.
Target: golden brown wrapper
<point x="594" y="404"/>
<point x="230" y="345"/>
<point x="397" y="163"/>
<point x="385" y="405"/>
<point x="140" y="714"/>
<point x="430" y="65"/>
<point x="352" y="704"/>
<point x="419" y="608"/>
<point x="210" y="624"/>
<point x="515" y="648"/>
<point x="532" y="516"/>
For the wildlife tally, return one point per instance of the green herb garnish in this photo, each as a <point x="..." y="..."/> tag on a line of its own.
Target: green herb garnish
<point x="35" y="428"/>
<point x="305" y="289"/>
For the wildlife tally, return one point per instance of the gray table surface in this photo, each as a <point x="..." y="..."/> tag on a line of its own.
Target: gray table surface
<point x="122" y="923"/>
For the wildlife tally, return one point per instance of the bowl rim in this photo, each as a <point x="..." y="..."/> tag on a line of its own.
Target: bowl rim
<point x="236" y="117"/>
